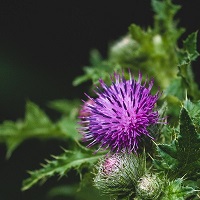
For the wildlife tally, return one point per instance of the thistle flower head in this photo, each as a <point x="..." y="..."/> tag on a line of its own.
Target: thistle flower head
<point x="121" y="114"/>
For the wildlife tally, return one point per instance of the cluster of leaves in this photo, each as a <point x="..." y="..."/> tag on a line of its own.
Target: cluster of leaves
<point x="181" y="158"/>
<point x="145" y="50"/>
<point x="155" y="52"/>
<point x="37" y="124"/>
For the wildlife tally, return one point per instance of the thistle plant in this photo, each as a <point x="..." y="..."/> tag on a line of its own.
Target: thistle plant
<point x="118" y="139"/>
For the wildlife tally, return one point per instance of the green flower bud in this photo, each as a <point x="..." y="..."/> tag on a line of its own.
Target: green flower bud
<point x="149" y="187"/>
<point x="118" y="174"/>
<point x="123" y="50"/>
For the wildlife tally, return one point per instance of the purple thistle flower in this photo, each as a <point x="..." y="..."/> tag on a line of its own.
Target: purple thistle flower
<point x="121" y="114"/>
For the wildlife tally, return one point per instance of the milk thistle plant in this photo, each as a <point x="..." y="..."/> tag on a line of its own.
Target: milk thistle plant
<point x="136" y="135"/>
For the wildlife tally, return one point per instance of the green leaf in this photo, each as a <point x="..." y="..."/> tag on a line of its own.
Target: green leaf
<point x="168" y="157"/>
<point x="176" y="190"/>
<point x="95" y="57"/>
<point x="169" y="149"/>
<point x="176" y="89"/>
<point x="190" y="46"/>
<point x="164" y="9"/>
<point x="99" y="69"/>
<point x="35" y="117"/>
<point x="83" y="78"/>
<point x="68" y="126"/>
<point x="64" y="106"/>
<point x="164" y="18"/>
<point x="193" y="109"/>
<point x="60" y="166"/>
<point x="94" y="73"/>
<point x="187" y="80"/>
<point x="35" y="125"/>
<point x="188" y="145"/>
<point x="186" y="56"/>
<point x="137" y="33"/>
<point x="182" y="156"/>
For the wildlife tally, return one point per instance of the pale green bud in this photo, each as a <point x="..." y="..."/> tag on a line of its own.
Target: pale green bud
<point x="123" y="49"/>
<point x="149" y="187"/>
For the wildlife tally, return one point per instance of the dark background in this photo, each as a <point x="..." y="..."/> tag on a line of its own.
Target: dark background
<point x="43" y="46"/>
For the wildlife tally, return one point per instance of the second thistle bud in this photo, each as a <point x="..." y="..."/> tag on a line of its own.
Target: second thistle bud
<point x="118" y="174"/>
<point x="149" y="186"/>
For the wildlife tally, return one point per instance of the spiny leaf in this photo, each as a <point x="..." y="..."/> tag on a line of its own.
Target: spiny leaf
<point x="168" y="156"/>
<point x="164" y="17"/>
<point x="193" y="109"/>
<point x="176" y="89"/>
<point x="175" y="190"/>
<point x="68" y="127"/>
<point x="182" y="156"/>
<point x="186" y="55"/>
<point x="137" y="33"/>
<point x="60" y="166"/>
<point x="64" y="106"/>
<point x="95" y="57"/>
<point x="185" y="81"/>
<point x="99" y="69"/>
<point x="164" y="9"/>
<point x="174" y="94"/>
<point x="35" y="125"/>
<point x="34" y="115"/>
<point x="169" y="149"/>
<point x="93" y="73"/>
<point x="188" y="145"/>
<point x="190" y="46"/>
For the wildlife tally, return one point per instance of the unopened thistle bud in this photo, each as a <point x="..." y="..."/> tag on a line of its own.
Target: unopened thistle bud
<point x="123" y="50"/>
<point x="118" y="174"/>
<point x="149" y="187"/>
